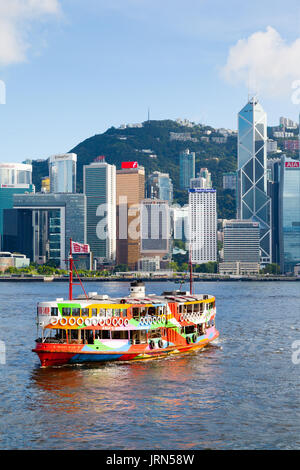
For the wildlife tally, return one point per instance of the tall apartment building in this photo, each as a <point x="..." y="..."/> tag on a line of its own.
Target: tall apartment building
<point x="99" y="186"/>
<point x="15" y="178"/>
<point x="202" y="225"/>
<point x="62" y="172"/>
<point x="187" y="168"/>
<point x="253" y="200"/>
<point x="130" y="193"/>
<point x="159" y="186"/>
<point x="289" y="214"/>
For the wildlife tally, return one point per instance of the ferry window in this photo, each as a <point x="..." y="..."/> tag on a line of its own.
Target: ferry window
<point x="124" y="312"/>
<point x="189" y="330"/>
<point x="109" y="312"/>
<point x="151" y="310"/>
<point x="181" y="308"/>
<point x="197" y="308"/>
<point x="84" y="312"/>
<point x="73" y="336"/>
<point x="119" y="334"/>
<point x="94" y="312"/>
<point x="135" y="312"/>
<point x="66" y="311"/>
<point x="138" y="336"/>
<point x="102" y="334"/>
<point x="102" y="312"/>
<point x="190" y="308"/>
<point x="116" y="312"/>
<point x="54" y="311"/>
<point x="155" y="333"/>
<point x="75" y="312"/>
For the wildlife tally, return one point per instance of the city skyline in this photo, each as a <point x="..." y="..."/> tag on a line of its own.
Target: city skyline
<point x="67" y="78"/>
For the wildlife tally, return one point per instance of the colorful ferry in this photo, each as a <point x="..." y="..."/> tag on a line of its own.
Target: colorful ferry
<point x="96" y="328"/>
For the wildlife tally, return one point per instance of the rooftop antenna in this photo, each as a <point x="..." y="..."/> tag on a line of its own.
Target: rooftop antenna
<point x="252" y="88"/>
<point x="148" y="114"/>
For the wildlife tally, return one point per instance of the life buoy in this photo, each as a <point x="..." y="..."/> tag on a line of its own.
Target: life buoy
<point x="87" y="322"/>
<point x="115" y="321"/>
<point x="160" y="344"/>
<point x="194" y="338"/>
<point x="120" y="322"/>
<point x="72" y="321"/>
<point x="154" y="320"/>
<point x="188" y="340"/>
<point x="94" y="321"/>
<point x="126" y="321"/>
<point x="151" y="344"/>
<point x="54" y="321"/>
<point x="79" y="321"/>
<point x="102" y="322"/>
<point x="108" y="321"/>
<point x="63" y="321"/>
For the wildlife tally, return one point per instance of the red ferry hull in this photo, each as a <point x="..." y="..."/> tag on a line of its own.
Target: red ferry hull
<point x="58" y="355"/>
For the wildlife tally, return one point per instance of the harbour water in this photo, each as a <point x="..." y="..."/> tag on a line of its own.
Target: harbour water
<point x="240" y="393"/>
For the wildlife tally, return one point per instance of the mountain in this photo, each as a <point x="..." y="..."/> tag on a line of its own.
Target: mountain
<point x="150" y="145"/>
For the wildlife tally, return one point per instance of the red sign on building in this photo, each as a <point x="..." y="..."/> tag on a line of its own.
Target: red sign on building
<point x="129" y="165"/>
<point x="292" y="164"/>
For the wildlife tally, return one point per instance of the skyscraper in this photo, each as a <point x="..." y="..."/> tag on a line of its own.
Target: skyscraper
<point x="253" y="201"/>
<point x="62" y="171"/>
<point x="155" y="228"/>
<point x="99" y="185"/>
<point x="15" y="178"/>
<point x="187" y="168"/>
<point x="289" y="214"/>
<point x="159" y="186"/>
<point x="130" y="193"/>
<point x="203" y="225"/>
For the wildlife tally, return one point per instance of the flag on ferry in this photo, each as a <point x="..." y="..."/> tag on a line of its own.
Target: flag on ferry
<point x="80" y="248"/>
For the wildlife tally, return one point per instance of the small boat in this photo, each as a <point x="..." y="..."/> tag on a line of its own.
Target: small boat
<point x="97" y="328"/>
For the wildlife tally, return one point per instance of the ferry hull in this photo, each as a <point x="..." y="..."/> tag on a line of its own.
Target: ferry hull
<point x="58" y="355"/>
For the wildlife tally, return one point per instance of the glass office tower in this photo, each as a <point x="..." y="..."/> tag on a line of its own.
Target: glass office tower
<point x="289" y="214"/>
<point x="253" y="201"/>
<point x="15" y="178"/>
<point x="187" y="168"/>
<point x="62" y="171"/>
<point x="159" y="186"/>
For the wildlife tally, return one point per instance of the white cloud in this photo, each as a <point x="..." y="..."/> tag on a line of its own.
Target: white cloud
<point x="15" y="16"/>
<point x="265" y="62"/>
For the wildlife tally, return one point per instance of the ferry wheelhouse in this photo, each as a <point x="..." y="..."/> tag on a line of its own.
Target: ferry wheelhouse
<point x="96" y="328"/>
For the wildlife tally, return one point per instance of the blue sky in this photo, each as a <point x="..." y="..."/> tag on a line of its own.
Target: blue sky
<point x="73" y="68"/>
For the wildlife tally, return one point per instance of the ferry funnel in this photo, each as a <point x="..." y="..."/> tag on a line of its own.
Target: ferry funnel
<point x="137" y="290"/>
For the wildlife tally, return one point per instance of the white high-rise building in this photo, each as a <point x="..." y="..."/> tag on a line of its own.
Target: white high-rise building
<point x="203" y="225"/>
<point x="62" y="171"/>
<point x="99" y="185"/>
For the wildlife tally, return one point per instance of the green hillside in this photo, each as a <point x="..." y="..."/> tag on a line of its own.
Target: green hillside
<point x="128" y="144"/>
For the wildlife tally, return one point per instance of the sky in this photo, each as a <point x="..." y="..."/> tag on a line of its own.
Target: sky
<point x="70" y="69"/>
